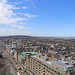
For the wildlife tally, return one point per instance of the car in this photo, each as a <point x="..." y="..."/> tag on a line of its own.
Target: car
<point x="18" y="68"/>
<point x="10" y="62"/>
<point x="15" y="68"/>
<point x="16" y="63"/>
<point x="18" y="73"/>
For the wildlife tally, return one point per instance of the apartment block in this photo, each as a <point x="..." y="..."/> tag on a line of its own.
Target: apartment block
<point x="41" y="65"/>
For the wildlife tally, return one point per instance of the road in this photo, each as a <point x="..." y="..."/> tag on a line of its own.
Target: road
<point x="13" y="71"/>
<point x="11" y="68"/>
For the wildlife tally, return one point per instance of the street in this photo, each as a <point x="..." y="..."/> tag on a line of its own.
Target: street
<point x="11" y="68"/>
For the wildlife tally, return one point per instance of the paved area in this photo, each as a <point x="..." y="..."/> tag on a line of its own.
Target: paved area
<point x="15" y="63"/>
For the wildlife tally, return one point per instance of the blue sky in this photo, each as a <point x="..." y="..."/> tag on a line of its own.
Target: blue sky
<point x="37" y="17"/>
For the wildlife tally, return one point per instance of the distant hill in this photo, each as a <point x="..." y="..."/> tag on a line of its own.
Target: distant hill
<point x="24" y="36"/>
<point x="15" y="36"/>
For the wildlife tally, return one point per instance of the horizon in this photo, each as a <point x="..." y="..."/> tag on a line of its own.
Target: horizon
<point x="39" y="36"/>
<point x="37" y="18"/>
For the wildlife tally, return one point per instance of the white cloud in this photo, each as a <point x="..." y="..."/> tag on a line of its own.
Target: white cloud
<point x="25" y="7"/>
<point x="16" y="8"/>
<point x="31" y="3"/>
<point x="15" y="20"/>
<point x="22" y="23"/>
<point x="18" y="2"/>
<point x="10" y="21"/>
<point x="30" y="15"/>
<point x="3" y="1"/>
<point x="19" y="27"/>
<point x="7" y="15"/>
<point x="5" y="32"/>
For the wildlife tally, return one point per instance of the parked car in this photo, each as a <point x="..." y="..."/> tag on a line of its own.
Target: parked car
<point x="18" y="68"/>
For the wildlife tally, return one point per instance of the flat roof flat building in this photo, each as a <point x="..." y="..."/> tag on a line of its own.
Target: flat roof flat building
<point x="41" y="66"/>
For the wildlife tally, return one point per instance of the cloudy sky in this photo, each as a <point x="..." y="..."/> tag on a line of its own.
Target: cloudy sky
<point x="37" y="17"/>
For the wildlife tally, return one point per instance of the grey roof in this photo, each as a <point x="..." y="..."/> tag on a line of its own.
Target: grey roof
<point x="60" y="63"/>
<point x="45" y="56"/>
<point x="55" y="59"/>
<point x="39" y="54"/>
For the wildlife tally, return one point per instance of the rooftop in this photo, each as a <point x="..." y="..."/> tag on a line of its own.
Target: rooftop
<point x="28" y="53"/>
<point x="47" y="63"/>
<point x="45" y="56"/>
<point x="28" y="47"/>
<point x="59" y="63"/>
